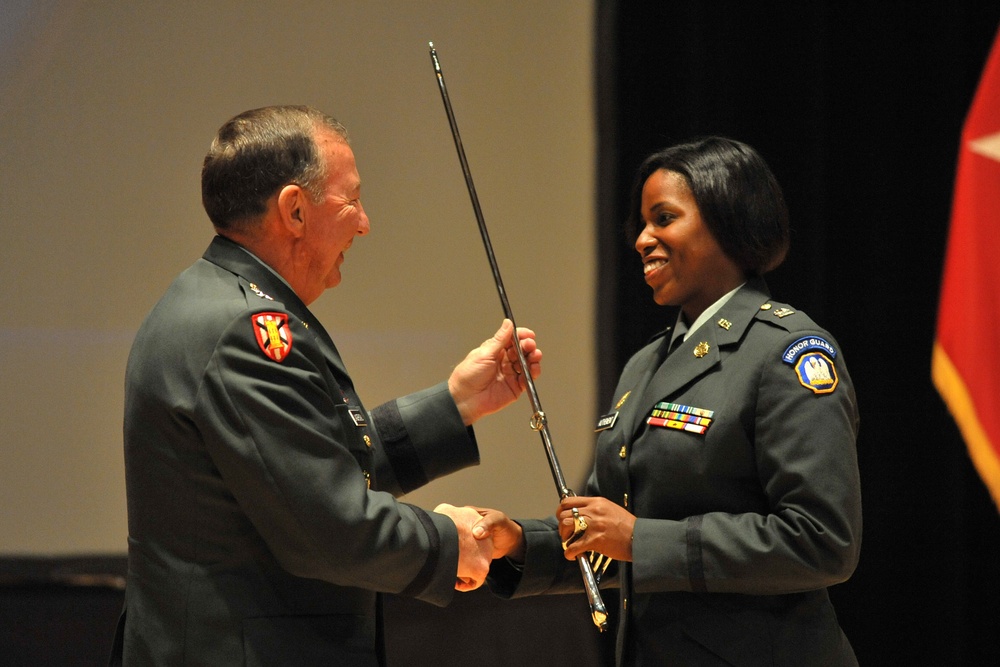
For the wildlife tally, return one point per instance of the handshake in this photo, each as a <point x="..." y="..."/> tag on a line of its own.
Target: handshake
<point x="592" y="526"/>
<point x="483" y="535"/>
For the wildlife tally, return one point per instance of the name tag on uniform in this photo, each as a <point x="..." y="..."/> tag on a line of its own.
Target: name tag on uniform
<point x="358" y="416"/>
<point x="606" y="422"/>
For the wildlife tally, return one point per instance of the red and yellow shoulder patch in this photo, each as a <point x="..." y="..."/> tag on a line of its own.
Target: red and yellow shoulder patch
<point x="272" y="334"/>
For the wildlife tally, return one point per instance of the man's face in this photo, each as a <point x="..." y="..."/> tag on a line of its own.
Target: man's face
<point x="334" y="221"/>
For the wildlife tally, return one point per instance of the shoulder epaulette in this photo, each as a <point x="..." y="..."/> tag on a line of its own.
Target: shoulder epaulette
<point x="784" y="316"/>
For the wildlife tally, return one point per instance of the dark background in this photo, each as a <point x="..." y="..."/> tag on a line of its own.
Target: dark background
<point x="858" y="109"/>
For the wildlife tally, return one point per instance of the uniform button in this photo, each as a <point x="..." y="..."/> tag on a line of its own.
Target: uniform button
<point x="621" y="452"/>
<point x="625" y="500"/>
<point x="368" y="479"/>
<point x="368" y="441"/>
<point x="625" y="603"/>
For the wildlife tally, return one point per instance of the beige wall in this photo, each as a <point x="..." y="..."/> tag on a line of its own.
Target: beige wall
<point x="106" y="110"/>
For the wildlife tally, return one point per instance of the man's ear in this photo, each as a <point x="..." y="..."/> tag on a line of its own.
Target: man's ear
<point x="291" y="208"/>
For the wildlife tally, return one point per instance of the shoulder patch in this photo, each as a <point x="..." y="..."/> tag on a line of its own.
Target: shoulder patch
<point x="272" y="334"/>
<point x="812" y="359"/>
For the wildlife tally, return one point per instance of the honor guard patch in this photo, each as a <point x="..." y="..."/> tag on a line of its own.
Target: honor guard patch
<point x="812" y="359"/>
<point x="273" y="335"/>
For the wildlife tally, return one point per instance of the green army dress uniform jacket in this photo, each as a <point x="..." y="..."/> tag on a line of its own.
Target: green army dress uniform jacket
<point x="262" y="517"/>
<point x="737" y="454"/>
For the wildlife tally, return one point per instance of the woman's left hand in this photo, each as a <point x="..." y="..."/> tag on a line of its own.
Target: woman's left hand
<point x="609" y="527"/>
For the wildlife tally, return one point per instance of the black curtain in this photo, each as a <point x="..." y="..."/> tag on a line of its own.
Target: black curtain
<point x="858" y="110"/>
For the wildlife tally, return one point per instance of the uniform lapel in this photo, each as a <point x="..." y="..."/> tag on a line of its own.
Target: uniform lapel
<point x="698" y="355"/>
<point x="681" y="367"/>
<point x="629" y="405"/>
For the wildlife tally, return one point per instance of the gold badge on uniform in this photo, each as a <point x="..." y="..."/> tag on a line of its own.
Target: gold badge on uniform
<point x="621" y="401"/>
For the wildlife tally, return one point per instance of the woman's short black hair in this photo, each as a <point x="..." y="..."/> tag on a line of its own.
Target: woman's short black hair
<point x="738" y="197"/>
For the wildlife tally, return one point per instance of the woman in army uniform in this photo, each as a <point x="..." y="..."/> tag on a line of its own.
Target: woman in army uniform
<point x="725" y="483"/>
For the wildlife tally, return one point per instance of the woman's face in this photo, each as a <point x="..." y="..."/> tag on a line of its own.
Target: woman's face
<point x="681" y="259"/>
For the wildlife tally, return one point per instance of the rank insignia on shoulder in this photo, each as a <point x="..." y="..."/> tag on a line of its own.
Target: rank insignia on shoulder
<point x="606" y="422"/>
<point x="783" y="312"/>
<point x="272" y="334"/>
<point x="812" y="359"/>
<point x="256" y="290"/>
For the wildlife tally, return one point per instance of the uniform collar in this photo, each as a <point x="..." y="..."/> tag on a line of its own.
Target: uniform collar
<point x="699" y="354"/>
<point x="265" y="282"/>
<point x="682" y="329"/>
<point x="237" y="259"/>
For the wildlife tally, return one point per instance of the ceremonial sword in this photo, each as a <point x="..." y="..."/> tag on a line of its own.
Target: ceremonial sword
<point x="598" y="612"/>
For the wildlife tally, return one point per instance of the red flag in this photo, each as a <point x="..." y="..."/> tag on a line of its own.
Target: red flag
<point x="966" y="359"/>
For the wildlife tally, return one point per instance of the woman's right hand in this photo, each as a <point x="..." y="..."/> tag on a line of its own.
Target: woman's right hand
<point x="508" y="538"/>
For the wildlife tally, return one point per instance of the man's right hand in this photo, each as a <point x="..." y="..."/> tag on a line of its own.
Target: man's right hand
<point x="507" y="535"/>
<point x="474" y="555"/>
